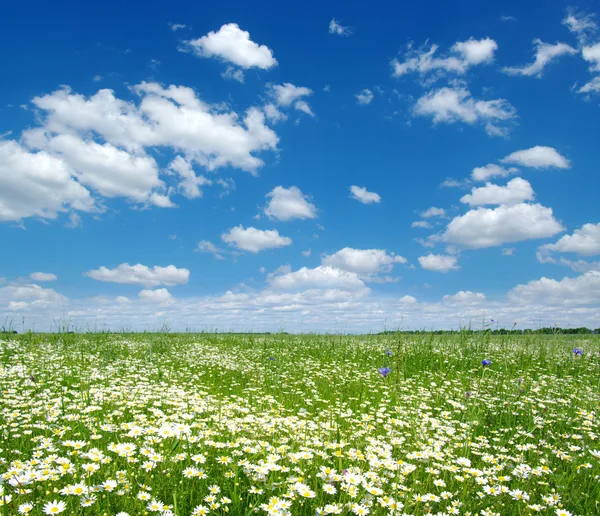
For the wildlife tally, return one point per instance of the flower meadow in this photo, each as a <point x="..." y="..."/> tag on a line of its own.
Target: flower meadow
<point x="195" y="424"/>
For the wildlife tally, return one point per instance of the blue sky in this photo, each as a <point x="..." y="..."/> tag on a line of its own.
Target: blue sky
<point x="307" y="167"/>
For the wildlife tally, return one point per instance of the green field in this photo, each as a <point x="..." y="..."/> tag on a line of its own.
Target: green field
<point x="303" y="425"/>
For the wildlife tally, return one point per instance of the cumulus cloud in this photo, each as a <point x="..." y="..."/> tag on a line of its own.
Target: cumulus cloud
<point x="206" y="246"/>
<point x="581" y="290"/>
<point x="43" y="276"/>
<point x="582" y="25"/>
<point x="254" y="240"/>
<point x="464" y="54"/>
<point x="543" y="55"/>
<point x="592" y="55"/>
<point x="364" y="262"/>
<point x="141" y="275"/>
<point x="491" y="170"/>
<point x="486" y="227"/>
<point x="433" y="212"/>
<point x="365" y="97"/>
<point x="516" y="191"/>
<point x="288" y="94"/>
<point x="321" y="277"/>
<point x="233" y="45"/>
<point x="538" y="157"/>
<point x="465" y="297"/>
<point x="160" y="295"/>
<point x="439" y="262"/>
<point x="360" y="193"/>
<point x="289" y="204"/>
<point x="38" y="184"/>
<point x="336" y="27"/>
<point x="22" y="297"/>
<point x="455" y="104"/>
<point x="584" y="241"/>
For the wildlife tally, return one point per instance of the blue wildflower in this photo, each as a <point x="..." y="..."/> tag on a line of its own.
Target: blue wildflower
<point x="271" y="358"/>
<point x="485" y="362"/>
<point x="385" y="371"/>
<point x="388" y="352"/>
<point x="577" y="351"/>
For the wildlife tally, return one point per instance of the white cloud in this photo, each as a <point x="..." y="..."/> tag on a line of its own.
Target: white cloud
<point x="491" y="170"/>
<point x="205" y="246"/>
<point x="420" y="224"/>
<point x="19" y="297"/>
<point x="190" y="183"/>
<point x="439" y="262"/>
<point x="336" y="28"/>
<point x="538" y="157"/>
<point x="307" y="252"/>
<point x="465" y="54"/>
<point x="451" y="105"/>
<point x="234" y="74"/>
<point x="486" y="227"/>
<point x="289" y="204"/>
<point x="160" y="295"/>
<point x="365" y="262"/>
<point x="254" y="240"/>
<point x="544" y="54"/>
<point x="592" y="55"/>
<point x="232" y="44"/>
<point x="141" y="275"/>
<point x="273" y="114"/>
<point x="517" y="190"/>
<point x="584" y="242"/>
<point x="171" y="117"/>
<point x="465" y="297"/>
<point x="433" y="212"/>
<point x="508" y="251"/>
<point x="581" y="290"/>
<point x="176" y="26"/>
<point x="288" y="94"/>
<point x="360" y="193"/>
<point x="365" y="97"/>
<point x="37" y="185"/>
<point x="580" y="24"/>
<point x="43" y="276"/>
<point x="321" y="277"/>
<point x="592" y="86"/>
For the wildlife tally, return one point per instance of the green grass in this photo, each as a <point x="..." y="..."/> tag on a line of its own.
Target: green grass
<point x="291" y="417"/>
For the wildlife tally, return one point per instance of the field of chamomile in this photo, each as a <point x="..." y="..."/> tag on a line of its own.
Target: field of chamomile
<point x="194" y="424"/>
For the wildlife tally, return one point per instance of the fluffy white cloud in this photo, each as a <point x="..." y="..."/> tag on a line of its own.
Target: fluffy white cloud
<point x="205" y="246"/>
<point x="592" y="55"/>
<point x="538" y="157"/>
<point x="581" y="290"/>
<point x="451" y="105"/>
<point x="232" y="44"/>
<point x="176" y="26"/>
<point x="37" y="185"/>
<point x="365" y="97"/>
<point x="190" y="183"/>
<point x="166" y="117"/>
<point x="360" y="193"/>
<point x="321" y="277"/>
<point x="43" y="276"/>
<point x="486" y="227"/>
<point x="288" y="94"/>
<point x="582" y="25"/>
<point x="544" y="53"/>
<point x="141" y="275"/>
<point x="517" y="190"/>
<point x="254" y="240"/>
<point x="433" y="212"/>
<point x="336" y="27"/>
<point x="288" y="204"/>
<point x="420" y="224"/>
<point x="592" y="86"/>
<point x="439" y="262"/>
<point x="364" y="262"/>
<point x="110" y="171"/>
<point x="160" y="295"/>
<point x="491" y="170"/>
<point x="584" y="242"/>
<point x="20" y="297"/>
<point x="465" y="54"/>
<point x="465" y="297"/>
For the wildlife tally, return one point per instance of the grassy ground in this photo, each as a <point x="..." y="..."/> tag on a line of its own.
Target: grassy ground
<point x="281" y="424"/>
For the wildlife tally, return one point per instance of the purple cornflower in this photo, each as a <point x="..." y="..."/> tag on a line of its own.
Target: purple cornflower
<point x="385" y="371"/>
<point x="485" y="362"/>
<point x="271" y="358"/>
<point x="577" y="351"/>
<point x="468" y="394"/>
<point x="388" y="352"/>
